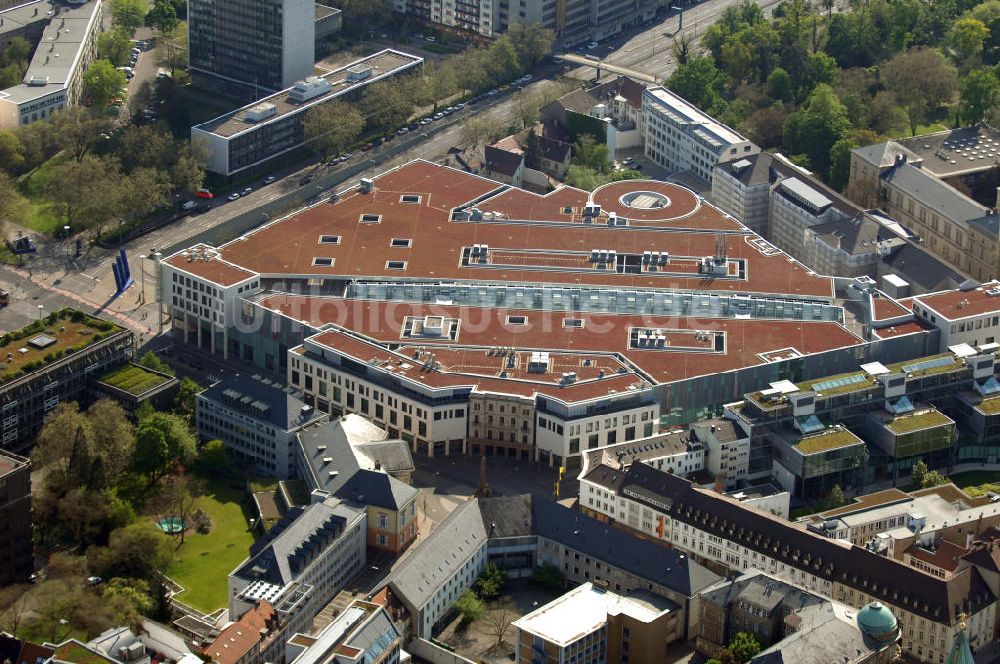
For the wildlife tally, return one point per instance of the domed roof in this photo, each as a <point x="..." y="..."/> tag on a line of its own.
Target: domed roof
<point x="876" y="620"/>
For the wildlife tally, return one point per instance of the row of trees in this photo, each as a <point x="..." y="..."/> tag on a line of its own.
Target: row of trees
<point x="330" y="128"/>
<point x="816" y="84"/>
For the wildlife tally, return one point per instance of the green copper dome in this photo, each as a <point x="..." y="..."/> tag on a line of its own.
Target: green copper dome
<point x="877" y="621"/>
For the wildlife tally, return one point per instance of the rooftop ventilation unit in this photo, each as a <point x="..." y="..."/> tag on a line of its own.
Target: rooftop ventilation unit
<point x="309" y="88"/>
<point x="261" y="112"/>
<point x="367" y="185"/>
<point x="38" y="81"/>
<point x="359" y="73"/>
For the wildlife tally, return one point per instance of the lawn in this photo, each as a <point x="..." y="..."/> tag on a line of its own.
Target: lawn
<point x="134" y="379"/>
<point x="203" y="562"/>
<point x="42" y="215"/>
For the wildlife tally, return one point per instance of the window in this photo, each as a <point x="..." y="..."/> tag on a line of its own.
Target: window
<point x="401" y="243"/>
<point x="371" y="219"/>
<point x="329" y="239"/>
<point x="322" y="262"/>
<point x="409" y="198"/>
<point x="517" y="320"/>
<point x="395" y="265"/>
<point x="573" y="322"/>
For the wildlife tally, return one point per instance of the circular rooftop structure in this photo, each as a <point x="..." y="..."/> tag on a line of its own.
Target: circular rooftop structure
<point x="877" y="621"/>
<point x="646" y="200"/>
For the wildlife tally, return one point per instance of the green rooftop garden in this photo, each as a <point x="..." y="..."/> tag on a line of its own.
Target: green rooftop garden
<point x="830" y="439"/>
<point x="922" y="420"/>
<point x="134" y="379"/>
<point x="73" y="652"/>
<point x="67" y="330"/>
<point x="838" y="384"/>
<point x="990" y="406"/>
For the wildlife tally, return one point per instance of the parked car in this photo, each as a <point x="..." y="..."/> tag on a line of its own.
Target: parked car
<point x="233" y="196"/>
<point x="269" y="179"/>
<point x="246" y="191"/>
<point x="306" y="179"/>
<point x="592" y="45"/>
<point x="189" y="206"/>
<point x="94" y="580"/>
<point x="204" y="193"/>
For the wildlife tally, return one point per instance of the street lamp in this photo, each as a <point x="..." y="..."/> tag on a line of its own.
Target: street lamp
<point x="40" y="308"/>
<point x="142" y="282"/>
<point x="158" y="256"/>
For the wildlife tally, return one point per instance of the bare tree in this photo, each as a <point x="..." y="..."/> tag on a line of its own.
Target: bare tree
<point x="13" y="607"/>
<point x="498" y="622"/>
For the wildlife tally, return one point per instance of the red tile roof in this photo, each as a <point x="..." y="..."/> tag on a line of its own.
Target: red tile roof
<point x="544" y="330"/>
<point x="235" y="641"/>
<point x="955" y="304"/>
<point x="543" y="227"/>
<point x="203" y="261"/>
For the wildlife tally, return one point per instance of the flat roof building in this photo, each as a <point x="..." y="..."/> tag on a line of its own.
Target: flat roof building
<point x="54" y="79"/>
<point x="16" y="550"/>
<point x="273" y="125"/>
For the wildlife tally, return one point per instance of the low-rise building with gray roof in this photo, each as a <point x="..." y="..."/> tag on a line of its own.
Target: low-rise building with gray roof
<point x="433" y="576"/>
<point x="54" y="79"/>
<point x="306" y="559"/>
<point x="332" y="458"/>
<point x="256" y="419"/>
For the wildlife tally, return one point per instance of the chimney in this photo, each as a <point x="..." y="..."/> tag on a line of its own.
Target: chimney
<point x="378" y="465"/>
<point x="720" y="483"/>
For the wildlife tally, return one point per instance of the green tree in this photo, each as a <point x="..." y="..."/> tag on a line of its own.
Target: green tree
<point x="840" y="163"/>
<point x="531" y="42"/>
<point x="103" y="82"/>
<point x="821" y="68"/>
<point x="817" y="126"/>
<point x="10" y="76"/>
<point x="966" y="40"/>
<point x="548" y="576"/>
<point x="113" y="438"/>
<point x="184" y="402"/>
<point x="470" y="606"/>
<point x="213" y="458"/>
<point x="173" y="49"/>
<point x="163" y="16"/>
<point x="151" y="360"/>
<point x="836" y="498"/>
<point x="134" y="592"/>
<point x="136" y="551"/>
<point x="745" y="646"/>
<point x="18" y="50"/>
<point x="13" y="206"/>
<point x="699" y="82"/>
<point x="178" y="437"/>
<point x="919" y="473"/>
<point x="331" y="127"/>
<point x="921" y="81"/>
<point x="114" y="46"/>
<point x="143" y="191"/>
<point x="933" y="478"/>
<point x="588" y="153"/>
<point x="491" y="582"/>
<point x="779" y="85"/>
<point x="979" y="92"/>
<point x="188" y="170"/>
<point x="86" y="192"/>
<point x="75" y="131"/>
<point x="385" y="105"/>
<point x="128" y="14"/>
<point x="152" y="454"/>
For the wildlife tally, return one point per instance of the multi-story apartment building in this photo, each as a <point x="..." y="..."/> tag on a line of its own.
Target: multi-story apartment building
<point x="16" y="552"/>
<point x="592" y="625"/>
<point x="356" y="306"/>
<point x="257" y="420"/>
<point x="51" y="361"/>
<point x="911" y="179"/>
<point x="731" y="537"/>
<point x="54" y="79"/>
<point x="800" y="215"/>
<point x="330" y="462"/>
<point x="679" y="137"/>
<point x="305" y="561"/>
<point x="249" y="49"/>
<point x="255" y="638"/>
<point x="433" y="576"/>
<point x="273" y="126"/>
<point x="24" y="20"/>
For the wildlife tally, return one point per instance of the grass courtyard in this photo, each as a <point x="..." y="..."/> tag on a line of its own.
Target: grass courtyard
<point x="43" y="215"/>
<point x="203" y="563"/>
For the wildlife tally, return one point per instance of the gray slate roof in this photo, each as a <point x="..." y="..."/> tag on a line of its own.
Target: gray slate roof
<point x="935" y="194"/>
<point x="855" y="235"/>
<point x="502" y="161"/>
<point x="435" y="560"/>
<point x="393" y="456"/>
<point x="922" y="268"/>
<point x="284" y="407"/>
<point x="327" y="449"/>
<point x="274" y="559"/>
<point x="883" y="155"/>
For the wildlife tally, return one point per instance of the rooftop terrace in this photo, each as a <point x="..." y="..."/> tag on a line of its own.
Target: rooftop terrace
<point x="831" y="439"/>
<point x="134" y="379"/>
<point x="58" y="335"/>
<point x="925" y="419"/>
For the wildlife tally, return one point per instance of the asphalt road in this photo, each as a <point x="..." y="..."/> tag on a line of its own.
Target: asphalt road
<point x="651" y="51"/>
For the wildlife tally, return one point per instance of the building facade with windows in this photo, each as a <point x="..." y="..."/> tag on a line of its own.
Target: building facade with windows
<point x="54" y="79"/>
<point x="16" y="550"/>
<point x="679" y="137"/>
<point x="249" y="49"/>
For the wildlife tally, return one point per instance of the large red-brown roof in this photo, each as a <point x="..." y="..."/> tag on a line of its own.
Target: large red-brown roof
<point x="956" y="304"/>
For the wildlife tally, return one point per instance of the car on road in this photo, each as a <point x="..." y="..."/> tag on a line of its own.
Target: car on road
<point x="425" y="121"/>
<point x="189" y="206"/>
<point x="269" y="179"/>
<point x="492" y="92"/>
<point x="413" y="126"/>
<point x="204" y="193"/>
<point x="233" y="196"/>
<point x="402" y="130"/>
<point x="346" y="156"/>
<point x="94" y="580"/>
<point x="246" y="191"/>
<point x="306" y="179"/>
<point x="438" y="115"/>
<point x="592" y="45"/>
